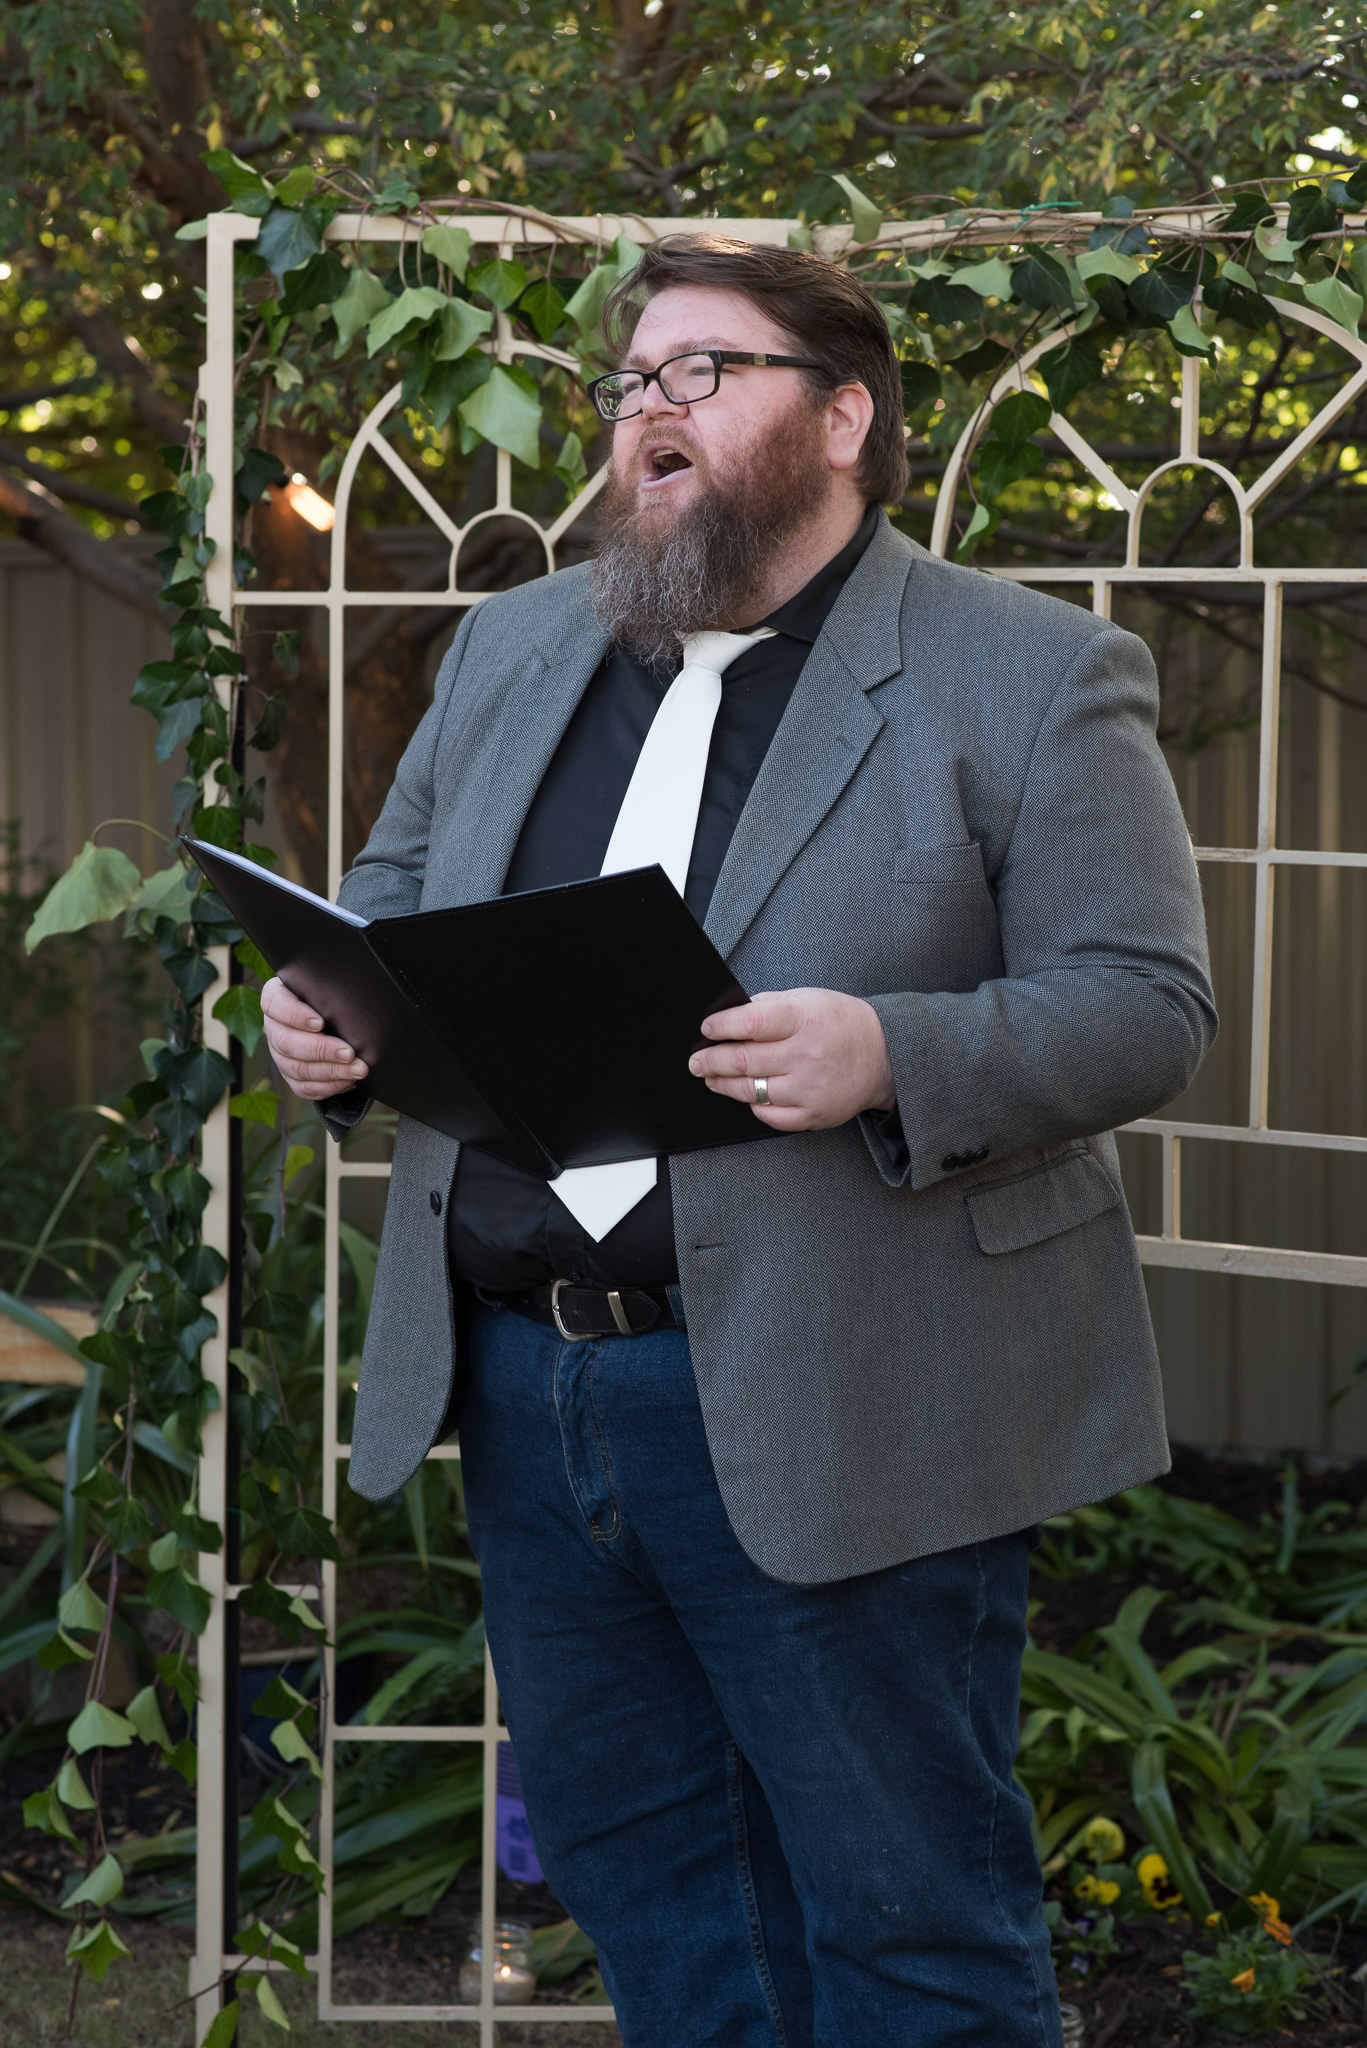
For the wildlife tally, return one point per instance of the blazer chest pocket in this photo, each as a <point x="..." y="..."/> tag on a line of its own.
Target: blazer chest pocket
<point x="1009" y="1215"/>
<point x="940" y="867"/>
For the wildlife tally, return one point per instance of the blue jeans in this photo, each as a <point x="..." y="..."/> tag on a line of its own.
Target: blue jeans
<point x="785" y="1813"/>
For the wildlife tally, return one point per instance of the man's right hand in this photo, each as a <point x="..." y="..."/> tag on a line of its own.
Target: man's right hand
<point x="313" y="1065"/>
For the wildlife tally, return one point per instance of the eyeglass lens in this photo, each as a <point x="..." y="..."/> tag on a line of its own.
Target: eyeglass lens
<point x="683" y="381"/>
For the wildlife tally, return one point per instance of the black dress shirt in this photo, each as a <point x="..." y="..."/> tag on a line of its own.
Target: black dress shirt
<point x="507" y="1230"/>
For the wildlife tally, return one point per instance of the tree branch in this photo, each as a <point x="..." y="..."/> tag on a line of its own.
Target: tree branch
<point x="69" y="487"/>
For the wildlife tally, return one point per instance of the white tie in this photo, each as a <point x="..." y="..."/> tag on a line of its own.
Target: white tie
<point x="658" y="822"/>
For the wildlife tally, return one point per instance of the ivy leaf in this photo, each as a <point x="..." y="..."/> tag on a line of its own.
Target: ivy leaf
<point x="1068" y="370"/>
<point x="1338" y="300"/>
<point x="296" y="1159"/>
<point x="1276" y="246"/>
<point x="1018" y="417"/>
<point x="1311" y="212"/>
<point x="500" y="282"/>
<point x="1106" y="262"/>
<point x="448" y="383"/>
<point x="1160" y="292"/>
<point x="303" y="1532"/>
<point x="255" y="1105"/>
<point x="983" y="523"/>
<point x="245" y="953"/>
<point x="167" y="894"/>
<point x="281" y="1702"/>
<point x="239" y="1009"/>
<point x="271" y="723"/>
<point x="450" y="246"/>
<point x="268" y="2002"/>
<point x="44" y="1810"/>
<point x="197" y="1532"/>
<point x="991" y="278"/>
<point x="175" y="1669"/>
<point x="127" y="1525"/>
<point x="100" y="883"/>
<point x="585" y="305"/>
<point x="96" y="1949"/>
<point x="1185" y="329"/>
<point x="223" y="2032"/>
<point x="1000" y="464"/>
<point x="867" y="217"/>
<point x="570" y="466"/>
<point x="920" y="386"/>
<point x="248" y="192"/>
<point x="72" y="1789"/>
<point x="261" y="1940"/>
<point x="164" y="1553"/>
<point x="318" y="282"/>
<point x="506" y="412"/>
<point x="1249" y="210"/>
<point x="99" y="1727"/>
<point x="197" y="1076"/>
<point x="421" y="302"/>
<point x="542" y="304"/>
<point x="61" y="1651"/>
<point x="255" y="473"/>
<point x="1039" y="280"/>
<point x="288" y="1742"/>
<point x="944" y="303"/>
<point x="81" y="1607"/>
<point x="363" y="298"/>
<point x="99" y="1485"/>
<point x="180" y="721"/>
<point x="287" y="239"/>
<point x="296" y="185"/>
<point x="144" y="1711"/>
<point x="461" y="326"/>
<point x="182" y="1597"/>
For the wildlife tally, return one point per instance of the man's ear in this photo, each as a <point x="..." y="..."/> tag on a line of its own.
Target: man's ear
<point x="849" y="415"/>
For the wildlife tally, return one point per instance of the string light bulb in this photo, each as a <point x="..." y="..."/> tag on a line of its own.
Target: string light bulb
<point x="301" y="497"/>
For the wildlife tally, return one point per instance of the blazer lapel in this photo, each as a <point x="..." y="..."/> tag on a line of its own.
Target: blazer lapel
<point x="823" y="736"/>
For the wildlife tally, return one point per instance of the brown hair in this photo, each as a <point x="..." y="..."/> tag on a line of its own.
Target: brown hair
<point x="823" y="311"/>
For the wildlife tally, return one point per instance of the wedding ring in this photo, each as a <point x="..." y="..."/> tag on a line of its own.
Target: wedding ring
<point x="761" y="1094"/>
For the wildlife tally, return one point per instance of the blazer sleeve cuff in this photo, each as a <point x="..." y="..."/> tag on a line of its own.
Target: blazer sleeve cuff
<point x="341" y="1113"/>
<point x="886" y="1140"/>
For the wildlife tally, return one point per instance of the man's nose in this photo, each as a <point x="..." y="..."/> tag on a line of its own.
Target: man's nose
<point x="655" y="405"/>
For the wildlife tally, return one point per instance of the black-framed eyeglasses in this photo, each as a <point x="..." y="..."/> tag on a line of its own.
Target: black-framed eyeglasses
<point x="684" y="380"/>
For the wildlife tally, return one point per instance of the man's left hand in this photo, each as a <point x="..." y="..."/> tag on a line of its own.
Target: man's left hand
<point x="823" y="1055"/>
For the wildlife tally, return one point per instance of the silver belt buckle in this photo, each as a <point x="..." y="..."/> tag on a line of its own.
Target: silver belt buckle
<point x="568" y="1335"/>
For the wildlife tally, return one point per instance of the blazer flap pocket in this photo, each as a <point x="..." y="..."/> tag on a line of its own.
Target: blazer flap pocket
<point x="1042" y="1203"/>
<point x="953" y="865"/>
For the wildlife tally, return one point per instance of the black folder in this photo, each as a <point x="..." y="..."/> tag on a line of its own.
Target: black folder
<point x="551" y="1029"/>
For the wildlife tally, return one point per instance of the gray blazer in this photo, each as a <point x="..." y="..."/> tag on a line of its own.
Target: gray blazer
<point x="902" y="1342"/>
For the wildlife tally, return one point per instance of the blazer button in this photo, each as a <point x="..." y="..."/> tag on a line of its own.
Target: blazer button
<point x="435" y="1199"/>
<point x="952" y="1162"/>
<point x="976" y="1158"/>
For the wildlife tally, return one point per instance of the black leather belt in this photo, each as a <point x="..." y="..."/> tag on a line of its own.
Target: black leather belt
<point x="579" y="1313"/>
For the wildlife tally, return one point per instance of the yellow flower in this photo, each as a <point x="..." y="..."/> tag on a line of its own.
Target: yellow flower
<point x="1269" y="1911"/>
<point x="1245" y="1981"/>
<point x="1214" y="1919"/>
<point x="1103" y="1840"/>
<point x="1264" y="1904"/>
<point x="1279" y="1930"/>
<point x="1101" y="1890"/>
<point x="1156" y="1881"/>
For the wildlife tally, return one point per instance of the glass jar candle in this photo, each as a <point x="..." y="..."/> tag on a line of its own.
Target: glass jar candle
<point x="1072" y="2026"/>
<point x="514" y="1977"/>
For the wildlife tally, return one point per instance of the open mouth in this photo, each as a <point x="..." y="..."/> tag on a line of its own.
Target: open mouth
<point x="663" y="462"/>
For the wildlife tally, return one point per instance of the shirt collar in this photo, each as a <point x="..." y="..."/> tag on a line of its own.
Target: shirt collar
<point x="803" y="616"/>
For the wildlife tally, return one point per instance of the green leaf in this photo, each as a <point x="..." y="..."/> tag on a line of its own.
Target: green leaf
<point x="504" y="413"/>
<point x="99" y="1727"/>
<point x="144" y="1711"/>
<point x="287" y="1740"/>
<point x="296" y="185"/>
<point x="1106" y="262"/>
<point x="100" y="883"/>
<point x="921" y="386"/>
<point x="419" y="302"/>
<point x="1039" y="280"/>
<point x="570" y="466"/>
<point x="44" y="1810"/>
<point x="1271" y="242"/>
<point x="450" y="246"/>
<point x="269" y="2003"/>
<point x="127" y="1525"/>
<point x="182" y="1597"/>
<point x="867" y="217"/>
<point x="61" y="1651"/>
<point x="96" y="1949"/>
<point x="192" y="231"/>
<point x="169" y="893"/>
<point x="979" y="526"/>
<point x="1310" y="212"/>
<point x="542" y="304"/>
<point x="72" y="1789"/>
<point x="280" y="1701"/>
<point x="261" y="1940"/>
<point x="626" y="254"/>
<point x="296" y="1159"/>
<point x="1018" y="417"/>
<point x="800" y="237"/>
<point x="461" y="326"/>
<point x="500" y="282"/>
<point x="81" y="1607"/>
<point x="1161" y="291"/>
<point x="1185" y="329"/>
<point x="164" y="1554"/>
<point x="363" y="298"/>
<point x="238" y="179"/>
<point x="1068" y="370"/>
<point x="1338" y="300"/>
<point x="315" y="285"/>
<point x="585" y="305"/>
<point x="1249" y="210"/>
<point x="223" y="2032"/>
<point x="239" y="1008"/>
<point x="286" y="240"/>
<point x="104" y="1883"/>
<point x="256" y="1105"/>
<point x="1230" y="301"/>
<point x="1000" y="465"/>
<point x="303" y="1532"/>
<point x="944" y="303"/>
<point x="175" y="1669"/>
<point x="991" y="278"/>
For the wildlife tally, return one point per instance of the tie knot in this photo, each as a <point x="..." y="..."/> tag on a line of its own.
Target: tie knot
<point x="716" y="651"/>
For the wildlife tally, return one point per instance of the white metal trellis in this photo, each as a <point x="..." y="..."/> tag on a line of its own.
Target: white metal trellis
<point x="213" y="1953"/>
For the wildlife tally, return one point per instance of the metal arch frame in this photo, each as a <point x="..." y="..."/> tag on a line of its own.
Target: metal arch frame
<point x="1170" y="1247"/>
<point x="215" y="1955"/>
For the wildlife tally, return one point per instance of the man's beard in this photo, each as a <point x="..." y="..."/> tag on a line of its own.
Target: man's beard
<point x="660" y="575"/>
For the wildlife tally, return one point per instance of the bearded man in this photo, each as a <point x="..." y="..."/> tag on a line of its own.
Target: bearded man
<point x="753" y="1455"/>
